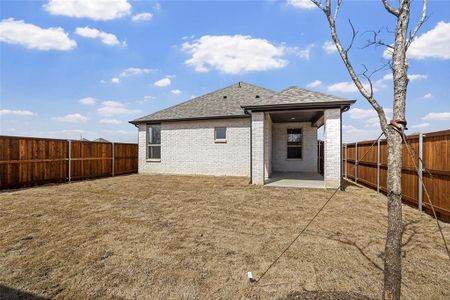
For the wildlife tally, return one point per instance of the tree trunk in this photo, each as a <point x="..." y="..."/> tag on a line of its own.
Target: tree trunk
<point x="393" y="260"/>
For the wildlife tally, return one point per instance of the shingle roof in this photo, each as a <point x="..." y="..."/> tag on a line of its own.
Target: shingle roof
<point x="295" y="95"/>
<point x="220" y="103"/>
<point x="230" y="101"/>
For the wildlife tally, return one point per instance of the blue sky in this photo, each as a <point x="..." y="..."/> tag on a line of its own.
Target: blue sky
<point x="71" y="69"/>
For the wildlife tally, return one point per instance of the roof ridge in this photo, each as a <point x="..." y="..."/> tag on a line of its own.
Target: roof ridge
<point x="205" y="95"/>
<point x="188" y="101"/>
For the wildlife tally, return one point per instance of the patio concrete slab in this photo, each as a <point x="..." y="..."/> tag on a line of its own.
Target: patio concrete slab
<point x="296" y="180"/>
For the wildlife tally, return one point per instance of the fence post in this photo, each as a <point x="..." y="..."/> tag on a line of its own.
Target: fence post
<point x="420" y="174"/>
<point x="356" y="162"/>
<point x="69" y="168"/>
<point x="346" y="160"/>
<point x="113" y="154"/>
<point x="378" y="166"/>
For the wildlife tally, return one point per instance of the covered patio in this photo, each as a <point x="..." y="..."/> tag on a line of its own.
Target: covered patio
<point x="284" y="142"/>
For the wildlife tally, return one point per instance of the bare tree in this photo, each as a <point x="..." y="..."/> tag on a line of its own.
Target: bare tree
<point x="392" y="130"/>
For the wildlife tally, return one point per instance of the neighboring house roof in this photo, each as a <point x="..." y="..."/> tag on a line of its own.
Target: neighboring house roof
<point x="101" y="140"/>
<point x="234" y="100"/>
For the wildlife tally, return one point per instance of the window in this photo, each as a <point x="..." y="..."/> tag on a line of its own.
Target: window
<point x="154" y="141"/>
<point x="294" y="143"/>
<point x="220" y="134"/>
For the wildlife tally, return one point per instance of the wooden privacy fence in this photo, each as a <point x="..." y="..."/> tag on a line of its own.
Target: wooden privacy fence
<point x="28" y="161"/>
<point x="434" y="150"/>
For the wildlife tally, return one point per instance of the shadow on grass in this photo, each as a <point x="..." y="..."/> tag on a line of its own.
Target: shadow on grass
<point x="10" y="293"/>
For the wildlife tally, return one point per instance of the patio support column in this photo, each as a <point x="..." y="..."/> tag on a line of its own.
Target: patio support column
<point x="257" y="148"/>
<point x="332" y="147"/>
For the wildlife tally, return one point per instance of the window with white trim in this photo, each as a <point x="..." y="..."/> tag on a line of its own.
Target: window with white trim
<point x="294" y="143"/>
<point x="154" y="141"/>
<point x="220" y="134"/>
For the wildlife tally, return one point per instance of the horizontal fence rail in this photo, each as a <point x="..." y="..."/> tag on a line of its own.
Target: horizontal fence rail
<point x="432" y="148"/>
<point x="26" y="161"/>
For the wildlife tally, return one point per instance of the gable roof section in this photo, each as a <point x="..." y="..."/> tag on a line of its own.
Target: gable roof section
<point x="225" y="102"/>
<point x="295" y="96"/>
<point x="236" y="99"/>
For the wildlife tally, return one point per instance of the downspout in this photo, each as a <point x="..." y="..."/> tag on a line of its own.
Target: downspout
<point x="340" y="150"/>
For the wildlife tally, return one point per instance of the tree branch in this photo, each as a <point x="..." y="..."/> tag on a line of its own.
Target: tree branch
<point x="419" y="24"/>
<point x="354" y="33"/>
<point x="376" y="41"/>
<point x="337" y="9"/>
<point x="344" y="55"/>
<point x="390" y="9"/>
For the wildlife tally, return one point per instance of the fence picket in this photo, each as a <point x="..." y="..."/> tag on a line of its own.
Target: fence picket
<point x="434" y="150"/>
<point x="26" y="161"/>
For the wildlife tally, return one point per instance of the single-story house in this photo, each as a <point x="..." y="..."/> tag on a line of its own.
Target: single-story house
<point x="245" y="130"/>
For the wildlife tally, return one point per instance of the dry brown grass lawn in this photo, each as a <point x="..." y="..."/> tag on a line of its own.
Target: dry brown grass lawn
<point x="181" y="237"/>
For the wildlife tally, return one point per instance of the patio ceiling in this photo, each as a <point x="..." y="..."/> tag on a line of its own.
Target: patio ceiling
<point x="297" y="116"/>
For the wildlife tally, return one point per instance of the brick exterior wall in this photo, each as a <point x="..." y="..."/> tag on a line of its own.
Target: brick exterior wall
<point x="267" y="146"/>
<point x="188" y="147"/>
<point x="308" y="163"/>
<point x="258" y="147"/>
<point x="332" y="151"/>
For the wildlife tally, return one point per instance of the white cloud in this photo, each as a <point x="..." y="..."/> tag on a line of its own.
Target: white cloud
<point x="110" y="121"/>
<point x="146" y="99"/>
<point x="302" y="4"/>
<point x="302" y="53"/>
<point x="96" y="10"/>
<point x="175" y="92"/>
<point x="329" y="47"/>
<point x="162" y="82"/>
<point x="411" y="77"/>
<point x="313" y="84"/>
<point x="11" y="112"/>
<point x="387" y="77"/>
<point x="428" y="96"/>
<point x="351" y="133"/>
<point x="71" y="118"/>
<point x="417" y="77"/>
<point x="440" y="116"/>
<point x="88" y="101"/>
<point x="421" y="125"/>
<point x="93" y="33"/>
<point x="431" y="44"/>
<point x="343" y="87"/>
<point x="233" y="54"/>
<point x="348" y="87"/>
<point x="34" y="37"/>
<point x="111" y="108"/>
<point x="115" y="80"/>
<point x="142" y="17"/>
<point x="362" y="114"/>
<point x="134" y="71"/>
<point x="368" y="116"/>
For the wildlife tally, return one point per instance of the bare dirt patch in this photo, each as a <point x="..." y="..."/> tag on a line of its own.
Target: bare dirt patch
<point x="182" y="237"/>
